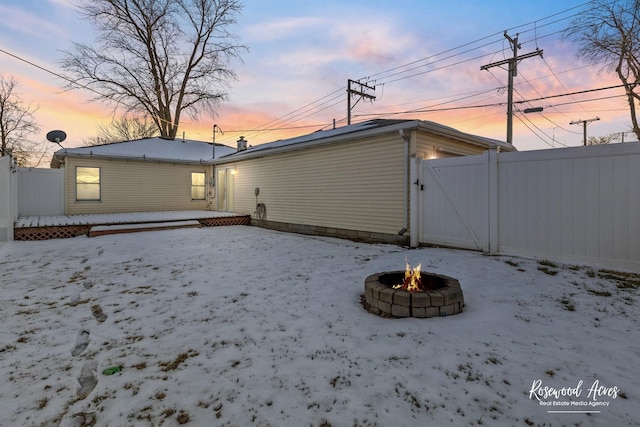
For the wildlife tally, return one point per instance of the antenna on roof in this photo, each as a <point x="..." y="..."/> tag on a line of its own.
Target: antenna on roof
<point x="214" y="138"/>
<point x="57" y="136"/>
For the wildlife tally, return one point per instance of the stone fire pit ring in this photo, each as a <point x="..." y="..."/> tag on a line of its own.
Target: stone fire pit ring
<point x="380" y="298"/>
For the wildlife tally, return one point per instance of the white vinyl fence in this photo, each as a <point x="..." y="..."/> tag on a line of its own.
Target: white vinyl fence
<point x="579" y="205"/>
<point x="8" y="198"/>
<point x="40" y="192"/>
<point x="455" y="205"/>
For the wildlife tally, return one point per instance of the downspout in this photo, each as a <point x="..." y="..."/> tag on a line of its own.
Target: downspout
<point x="405" y="199"/>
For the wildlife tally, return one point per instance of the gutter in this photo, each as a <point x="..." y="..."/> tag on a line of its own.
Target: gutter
<point x="130" y="158"/>
<point x="429" y="127"/>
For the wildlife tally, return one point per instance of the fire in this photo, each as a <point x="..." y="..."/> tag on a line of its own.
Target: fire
<point x="412" y="281"/>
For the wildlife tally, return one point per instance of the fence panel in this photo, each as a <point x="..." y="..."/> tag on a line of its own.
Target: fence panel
<point x="40" y="191"/>
<point x="8" y="198"/>
<point x="579" y="205"/>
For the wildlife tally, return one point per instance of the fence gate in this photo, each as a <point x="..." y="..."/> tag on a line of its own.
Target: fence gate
<point x="455" y="201"/>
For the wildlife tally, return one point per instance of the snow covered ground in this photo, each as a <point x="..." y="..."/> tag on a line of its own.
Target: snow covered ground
<point x="239" y="326"/>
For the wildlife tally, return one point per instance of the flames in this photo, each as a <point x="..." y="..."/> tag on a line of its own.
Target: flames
<point x="412" y="281"/>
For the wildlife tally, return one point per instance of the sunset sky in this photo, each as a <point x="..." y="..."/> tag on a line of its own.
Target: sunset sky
<point x="424" y="59"/>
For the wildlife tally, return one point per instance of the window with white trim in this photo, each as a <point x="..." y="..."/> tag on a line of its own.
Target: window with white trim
<point x="87" y="183"/>
<point x="198" y="188"/>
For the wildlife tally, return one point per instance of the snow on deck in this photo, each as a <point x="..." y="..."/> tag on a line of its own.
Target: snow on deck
<point x="117" y="218"/>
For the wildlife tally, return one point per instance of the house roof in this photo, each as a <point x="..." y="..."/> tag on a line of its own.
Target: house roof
<point x="153" y="149"/>
<point x="189" y="151"/>
<point x="362" y="130"/>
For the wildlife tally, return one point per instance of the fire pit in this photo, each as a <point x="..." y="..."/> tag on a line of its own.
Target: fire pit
<point x="411" y="293"/>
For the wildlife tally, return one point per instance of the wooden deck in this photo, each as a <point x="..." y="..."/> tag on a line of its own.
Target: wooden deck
<point x="66" y="226"/>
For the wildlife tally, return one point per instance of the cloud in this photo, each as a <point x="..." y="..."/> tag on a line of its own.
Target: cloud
<point x="317" y="57"/>
<point x="19" y="21"/>
<point x="62" y="4"/>
<point x="285" y="28"/>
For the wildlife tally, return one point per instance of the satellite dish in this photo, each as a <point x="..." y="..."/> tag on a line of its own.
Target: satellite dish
<point x="56" y="136"/>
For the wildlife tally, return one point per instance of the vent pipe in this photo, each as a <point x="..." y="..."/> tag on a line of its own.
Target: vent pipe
<point x="242" y="144"/>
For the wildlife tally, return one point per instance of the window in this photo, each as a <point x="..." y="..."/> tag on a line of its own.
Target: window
<point x="87" y="183"/>
<point x="197" y="186"/>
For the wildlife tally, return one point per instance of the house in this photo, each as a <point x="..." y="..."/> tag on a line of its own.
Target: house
<point x="356" y="181"/>
<point x="150" y="174"/>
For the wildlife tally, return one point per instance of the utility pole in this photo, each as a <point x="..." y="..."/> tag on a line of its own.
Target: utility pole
<point x="360" y="92"/>
<point x="584" y="126"/>
<point x="513" y="72"/>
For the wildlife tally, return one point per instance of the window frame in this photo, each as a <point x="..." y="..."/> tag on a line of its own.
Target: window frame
<point x="202" y="187"/>
<point x="98" y="184"/>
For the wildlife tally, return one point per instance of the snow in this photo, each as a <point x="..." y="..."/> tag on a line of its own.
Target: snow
<point x="319" y="135"/>
<point x="238" y="326"/>
<point x="181" y="150"/>
<point x="359" y="130"/>
<point x="116" y="218"/>
<point x="146" y="225"/>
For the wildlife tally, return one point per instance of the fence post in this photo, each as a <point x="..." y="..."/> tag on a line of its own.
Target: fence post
<point x="494" y="220"/>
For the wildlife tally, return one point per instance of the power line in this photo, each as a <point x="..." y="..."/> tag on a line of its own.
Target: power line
<point x="554" y="74"/>
<point x="393" y="72"/>
<point x="460" y="97"/>
<point x="426" y="59"/>
<point x="303" y="112"/>
<point x="276" y="124"/>
<point x="513" y="72"/>
<point x="539" y="130"/>
<point x="271" y="129"/>
<point x="33" y="64"/>
<point x="262" y="128"/>
<point x="544" y="116"/>
<point x="539" y="94"/>
<point x="385" y="74"/>
<point x="272" y="122"/>
<point x="287" y="121"/>
<point x="73" y="82"/>
<point x="430" y="109"/>
<point x="571" y="93"/>
<point x="553" y="15"/>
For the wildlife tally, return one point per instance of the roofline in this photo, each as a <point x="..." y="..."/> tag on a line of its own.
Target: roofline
<point x="242" y="155"/>
<point x="463" y="136"/>
<point x="407" y="125"/>
<point x="58" y="158"/>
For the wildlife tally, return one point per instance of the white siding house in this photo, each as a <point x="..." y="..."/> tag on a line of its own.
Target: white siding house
<point x="151" y="174"/>
<point x="351" y="182"/>
<point x="357" y="181"/>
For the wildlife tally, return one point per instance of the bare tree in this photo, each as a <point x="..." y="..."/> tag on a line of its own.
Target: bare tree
<point x="124" y="129"/>
<point x="17" y="126"/>
<point x="158" y="58"/>
<point x="600" y="140"/>
<point x="608" y="34"/>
